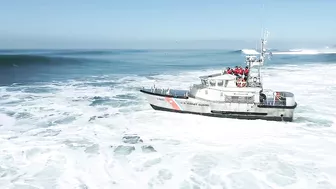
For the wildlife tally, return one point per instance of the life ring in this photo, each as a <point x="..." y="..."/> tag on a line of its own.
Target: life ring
<point x="254" y="79"/>
<point x="241" y="82"/>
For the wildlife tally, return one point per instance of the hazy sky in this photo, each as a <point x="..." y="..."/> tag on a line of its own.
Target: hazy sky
<point x="170" y="23"/>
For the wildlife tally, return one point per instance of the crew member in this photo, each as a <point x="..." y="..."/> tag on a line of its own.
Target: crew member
<point x="229" y="71"/>
<point x="235" y="71"/>
<point x="246" y="72"/>
<point x="240" y="71"/>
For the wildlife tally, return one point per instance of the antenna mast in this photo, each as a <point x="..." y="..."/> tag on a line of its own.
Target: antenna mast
<point x="262" y="53"/>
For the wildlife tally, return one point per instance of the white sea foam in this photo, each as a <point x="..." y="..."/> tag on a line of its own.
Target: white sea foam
<point x="306" y="52"/>
<point x="66" y="138"/>
<point x="250" y="51"/>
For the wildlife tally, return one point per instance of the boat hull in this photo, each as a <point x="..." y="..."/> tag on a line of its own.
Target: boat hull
<point x="184" y="104"/>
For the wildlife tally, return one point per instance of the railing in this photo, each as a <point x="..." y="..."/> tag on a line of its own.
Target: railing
<point x="274" y="102"/>
<point x="239" y="99"/>
<point x="276" y="99"/>
<point x="171" y="92"/>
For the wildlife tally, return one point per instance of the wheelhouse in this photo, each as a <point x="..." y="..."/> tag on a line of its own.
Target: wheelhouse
<point x="221" y="81"/>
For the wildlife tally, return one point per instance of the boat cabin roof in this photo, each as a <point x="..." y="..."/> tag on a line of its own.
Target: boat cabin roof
<point x="225" y="80"/>
<point x="227" y="77"/>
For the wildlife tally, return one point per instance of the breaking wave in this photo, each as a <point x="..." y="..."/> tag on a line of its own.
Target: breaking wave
<point x="307" y="52"/>
<point x="290" y="51"/>
<point x="26" y="57"/>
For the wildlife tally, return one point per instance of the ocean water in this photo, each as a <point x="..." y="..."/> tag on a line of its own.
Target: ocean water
<point x="64" y="113"/>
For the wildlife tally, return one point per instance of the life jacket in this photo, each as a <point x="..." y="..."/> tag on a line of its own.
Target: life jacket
<point x="246" y="71"/>
<point x="235" y="71"/>
<point x="240" y="71"/>
<point x="229" y="71"/>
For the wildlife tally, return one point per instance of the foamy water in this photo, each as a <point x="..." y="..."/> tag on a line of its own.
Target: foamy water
<point x="64" y="135"/>
<point x="294" y="52"/>
<point x="307" y="52"/>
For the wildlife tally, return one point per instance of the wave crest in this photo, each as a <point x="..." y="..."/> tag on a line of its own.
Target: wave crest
<point x="20" y="60"/>
<point x="306" y="52"/>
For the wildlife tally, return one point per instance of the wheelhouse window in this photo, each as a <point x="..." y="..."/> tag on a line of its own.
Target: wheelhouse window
<point x="220" y="83"/>
<point x="226" y="83"/>
<point x="212" y="83"/>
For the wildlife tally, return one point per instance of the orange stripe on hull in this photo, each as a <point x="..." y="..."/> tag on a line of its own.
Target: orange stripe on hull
<point x="172" y="103"/>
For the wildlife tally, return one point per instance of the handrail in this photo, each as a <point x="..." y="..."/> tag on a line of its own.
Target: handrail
<point x="167" y="91"/>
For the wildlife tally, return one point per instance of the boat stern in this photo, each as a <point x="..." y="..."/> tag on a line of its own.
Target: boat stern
<point x="280" y="105"/>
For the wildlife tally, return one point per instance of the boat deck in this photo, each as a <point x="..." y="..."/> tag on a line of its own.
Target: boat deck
<point x="176" y="93"/>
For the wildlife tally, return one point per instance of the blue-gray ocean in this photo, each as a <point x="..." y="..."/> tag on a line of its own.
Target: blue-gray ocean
<point x="64" y="113"/>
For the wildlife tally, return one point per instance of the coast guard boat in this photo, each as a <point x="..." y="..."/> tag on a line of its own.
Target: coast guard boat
<point x="228" y="96"/>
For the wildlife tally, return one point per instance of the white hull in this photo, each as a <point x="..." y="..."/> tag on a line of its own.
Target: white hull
<point x="248" y="110"/>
